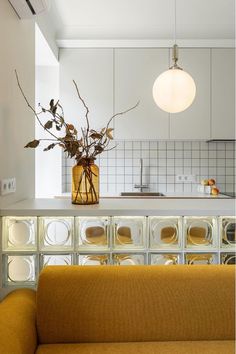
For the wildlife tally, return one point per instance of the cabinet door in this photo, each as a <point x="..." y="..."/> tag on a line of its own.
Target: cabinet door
<point x="135" y="73"/>
<point x="194" y="122"/>
<point x="223" y="94"/>
<point x="92" y="69"/>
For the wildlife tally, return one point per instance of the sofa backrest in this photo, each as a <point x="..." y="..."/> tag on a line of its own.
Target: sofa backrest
<point x="135" y="303"/>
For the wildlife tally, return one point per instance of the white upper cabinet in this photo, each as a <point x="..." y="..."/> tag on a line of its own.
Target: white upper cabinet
<point x="135" y="72"/>
<point x="92" y="69"/>
<point x="223" y="94"/>
<point x="194" y="122"/>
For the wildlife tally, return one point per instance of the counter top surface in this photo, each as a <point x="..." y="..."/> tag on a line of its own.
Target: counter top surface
<point x="182" y="195"/>
<point x="123" y="206"/>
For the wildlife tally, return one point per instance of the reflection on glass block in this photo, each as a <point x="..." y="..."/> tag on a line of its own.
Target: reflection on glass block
<point x="56" y="259"/>
<point x="93" y="259"/>
<point x="202" y="258"/>
<point x="56" y="233"/>
<point x="165" y="232"/>
<point x="19" y="233"/>
<point x="128" y="259"/>
<point x="165" y="259"/>
<point x="20" y="269"/>
<point x="228" y="258"/>
<point x="200" y="232"/>
<point x="228" y="231"/>
<point x="128" y="232"/>
<point x="93" y="232"/>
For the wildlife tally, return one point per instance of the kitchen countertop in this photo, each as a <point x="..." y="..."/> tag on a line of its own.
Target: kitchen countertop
<point x="166" y="195"/>
<point x="161" y="206"/>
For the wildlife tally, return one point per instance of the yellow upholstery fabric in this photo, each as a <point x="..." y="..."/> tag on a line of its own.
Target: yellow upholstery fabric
<point x="135" y="304"/>
<point x="17" y="323"/>
<point x="208" y="347"/>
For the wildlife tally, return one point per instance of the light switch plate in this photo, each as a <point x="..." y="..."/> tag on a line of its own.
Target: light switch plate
<point x="185" y="178"/>
<point x="8" y="186"/>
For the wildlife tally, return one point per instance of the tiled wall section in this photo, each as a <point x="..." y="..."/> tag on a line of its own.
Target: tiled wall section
<point x="162" y="160"/>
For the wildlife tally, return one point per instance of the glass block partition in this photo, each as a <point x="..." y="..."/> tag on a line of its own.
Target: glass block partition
<point x="31" y="243"/>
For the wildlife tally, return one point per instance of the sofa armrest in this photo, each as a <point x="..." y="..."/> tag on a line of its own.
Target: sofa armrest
<point x="18" y="323"/>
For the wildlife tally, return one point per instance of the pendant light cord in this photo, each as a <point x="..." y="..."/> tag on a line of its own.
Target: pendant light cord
<point x="175" y="21"/>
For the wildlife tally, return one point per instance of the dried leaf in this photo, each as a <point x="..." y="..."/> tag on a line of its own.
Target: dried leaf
<point x="98" y="148"/>
<point x="48" y="125"/>
<point x="32" y="144"/>
<point x="70" y="126"/>
<point x="51" y="104"/>
<point x="109" y="133"/>
<point x="49" y="147"/>
<point x="96" y="135"/>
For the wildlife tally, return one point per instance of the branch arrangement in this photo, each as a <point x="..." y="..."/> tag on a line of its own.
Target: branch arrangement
<point x="84" y="146"/>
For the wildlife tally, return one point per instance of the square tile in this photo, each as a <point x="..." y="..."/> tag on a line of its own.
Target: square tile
<point x="162" y="145"/>
<point x="195" y="145"/>
<point x="178" y="145"/>
<point x="153" y="145"/>
<point x="145" y="145"/>
<point x="170" y="154"/>
<point x="179" y="154"/>
<point x="170" y="145"/>
<point x="136" y="145"/>
<point x="195" y="154"/>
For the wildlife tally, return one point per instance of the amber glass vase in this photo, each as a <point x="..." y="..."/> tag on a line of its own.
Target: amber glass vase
<point x="85" y="182"/>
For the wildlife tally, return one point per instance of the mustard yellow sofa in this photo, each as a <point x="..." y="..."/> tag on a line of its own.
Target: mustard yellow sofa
<point x="122" y="310"/>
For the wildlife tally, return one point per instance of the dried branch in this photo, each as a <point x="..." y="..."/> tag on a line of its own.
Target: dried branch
<point x="87" y="146"/>
<point x="121" y="113"/>
<point x="32" y="109"/>
<point x="84" y="104"/>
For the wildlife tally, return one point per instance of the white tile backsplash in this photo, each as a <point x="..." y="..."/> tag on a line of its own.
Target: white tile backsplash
<point x="162" y="161"/>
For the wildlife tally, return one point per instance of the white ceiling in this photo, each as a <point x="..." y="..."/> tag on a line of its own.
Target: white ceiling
<point x="143" y="19"/>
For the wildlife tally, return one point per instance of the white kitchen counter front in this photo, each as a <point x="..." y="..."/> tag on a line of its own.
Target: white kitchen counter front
<point x="124" y="207"/>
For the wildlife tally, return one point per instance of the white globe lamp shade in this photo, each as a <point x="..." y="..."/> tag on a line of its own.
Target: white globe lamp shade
<point x="174" y="90"/>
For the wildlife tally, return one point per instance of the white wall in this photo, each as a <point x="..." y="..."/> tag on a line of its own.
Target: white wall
<point x="47" y="163"/>
<point x="17" y="123"/>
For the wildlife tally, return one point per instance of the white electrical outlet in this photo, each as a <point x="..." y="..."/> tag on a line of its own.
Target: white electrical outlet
<point x="8" y="186"/>
<point x="185" y="178"/>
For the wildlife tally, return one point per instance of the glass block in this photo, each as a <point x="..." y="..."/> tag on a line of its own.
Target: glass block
<point x="56" y="233"/>
<point x="165" y="232"/>
<point x="165" y="259"/>
<point x="200" y="232"/>
<point x="93" y="232"/>
<point x="200" y="258"/>
<point x="228" y="231"/>
<point x="19" y="233"/>
<point x="228" y="258"/>
<point x="56" y="259"/>
<point x="129" y="232"/>
<point x="20" y="269"/>
<point x="93" y="259"/>
<point x="128" y="259"/>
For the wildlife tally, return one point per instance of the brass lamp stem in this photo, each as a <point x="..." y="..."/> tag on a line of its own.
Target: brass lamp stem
<point x="175" y="57"/>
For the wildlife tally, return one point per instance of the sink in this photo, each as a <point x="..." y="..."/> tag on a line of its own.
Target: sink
<point x="141" y="194"/>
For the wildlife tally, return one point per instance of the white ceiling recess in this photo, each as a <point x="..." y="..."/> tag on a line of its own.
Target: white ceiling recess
<point x="144" y="22"/>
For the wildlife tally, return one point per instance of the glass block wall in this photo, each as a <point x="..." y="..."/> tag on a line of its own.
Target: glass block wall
<point x="163" y="160"/>
<point x="31" y="243"/>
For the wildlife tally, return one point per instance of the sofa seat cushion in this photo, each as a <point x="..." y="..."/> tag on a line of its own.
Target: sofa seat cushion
<point x="180" y="347"/>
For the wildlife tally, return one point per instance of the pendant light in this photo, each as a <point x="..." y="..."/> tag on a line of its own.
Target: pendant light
<point x="174" y="90"/>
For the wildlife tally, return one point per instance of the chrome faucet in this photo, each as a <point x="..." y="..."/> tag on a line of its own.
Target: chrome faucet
<point x="141" y="186"/>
